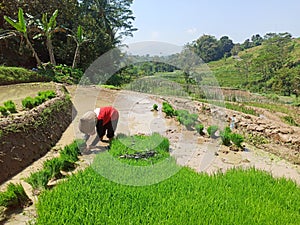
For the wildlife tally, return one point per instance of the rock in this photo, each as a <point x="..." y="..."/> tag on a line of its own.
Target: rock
<point x="2" y="213"/>
<point x="284" y="138"/>
<point x="260" y="129"/>
<point x="286" y="131"/>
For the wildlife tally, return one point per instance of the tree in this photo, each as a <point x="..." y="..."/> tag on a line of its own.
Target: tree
<point x="225" y="45"/>
<point x="207" y="48"/>
<point x="21" y="28"/>
<point x="114" y="16"/>
<point x="80" y="39"/>
<point x="257" y="40"/>
<point x="47" y="29"/>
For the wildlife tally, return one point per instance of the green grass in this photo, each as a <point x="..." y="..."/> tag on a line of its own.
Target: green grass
<point x="237" y="197"/>
<point x="14" y="75"/>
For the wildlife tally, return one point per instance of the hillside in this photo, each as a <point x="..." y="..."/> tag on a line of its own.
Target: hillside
<point x="270" y="68"/>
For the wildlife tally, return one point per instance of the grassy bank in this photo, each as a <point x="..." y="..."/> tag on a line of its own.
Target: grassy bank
<point x="15" y="75"/>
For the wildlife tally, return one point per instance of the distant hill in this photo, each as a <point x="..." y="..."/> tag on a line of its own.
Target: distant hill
<point x="273" y="67"/>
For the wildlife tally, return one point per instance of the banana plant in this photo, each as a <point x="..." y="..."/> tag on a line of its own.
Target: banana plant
<point x="47" y="29"/>
<point x="21" y="29"/>
<point x="80" y="39"/>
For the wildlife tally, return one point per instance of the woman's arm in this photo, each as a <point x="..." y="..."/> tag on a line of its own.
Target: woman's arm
<point x="99" y="129"/>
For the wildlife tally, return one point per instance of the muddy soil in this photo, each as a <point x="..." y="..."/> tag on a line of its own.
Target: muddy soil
<point x="137" y="117"/>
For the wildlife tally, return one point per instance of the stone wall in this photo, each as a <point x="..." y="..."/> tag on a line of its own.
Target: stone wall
<point x="27" y="136"/>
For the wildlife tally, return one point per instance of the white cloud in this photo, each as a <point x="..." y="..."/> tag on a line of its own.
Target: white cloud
<point x="192" y="30"/>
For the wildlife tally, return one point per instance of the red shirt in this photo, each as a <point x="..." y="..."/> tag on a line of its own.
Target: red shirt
<point x="107" y="114"/>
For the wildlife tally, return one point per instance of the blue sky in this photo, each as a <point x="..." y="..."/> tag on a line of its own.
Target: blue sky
<point x="181" y="21"/>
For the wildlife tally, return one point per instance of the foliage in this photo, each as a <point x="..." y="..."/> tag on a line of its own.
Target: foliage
<point x="39" y="180"/>
<point x="139" y="145"/>
<point x="21" y="28"/>
<point x="168" y="109"/>
<point x="226" y="136"/>
<point x="256" y="139"/>
<point x="185" y="118"/>
<point x="199" y="128"/>
<point x="10" y="106"/>
<point x="52" y="168"/>
<point x="155" y="107"/>
<point x="14" y="196"/>
<point x="211" y="130"/>
<point x="290" y="120"/>
<point x="61" y="73"/>
<point x="4" y="111"/>
<point x="104" y="22"/>
<point x="30" y="102"/>
<point x="186" y="197"/>
<point x="14" y="75"/>
<point x="237" y="139"/>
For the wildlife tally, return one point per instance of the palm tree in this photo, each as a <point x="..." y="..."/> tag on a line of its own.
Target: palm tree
<point x="21" y="28"/>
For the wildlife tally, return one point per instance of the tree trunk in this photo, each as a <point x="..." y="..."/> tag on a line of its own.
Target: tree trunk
<point x="38" y="61"/>
<point x="76" y="57"/>
<point x="51" y="52"/>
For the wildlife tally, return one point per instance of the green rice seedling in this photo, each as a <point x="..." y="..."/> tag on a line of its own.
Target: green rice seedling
<point x="226" y="136"/>
<point x="4" y="111"/>
<point x="155" y="107"/>
<point x="47" y="94"/>
<point x="14" y="196"/>
<point x="168" y="109"/>
<point x="10" y="106"/>
<point x="39" y="180"/>
<point x="140" y="149"/>
<point x="237" y="139"/>
<point x="199" y="128"/>
<point x="28" y="103"/>
<point x="235" y="197"/>
<point x="211" y="130"/>
<point x="187" y="119"/>
<point x="70" y="152"/>
<point x="54" y="166"/>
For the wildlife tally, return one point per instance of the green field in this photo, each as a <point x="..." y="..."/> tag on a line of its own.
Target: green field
<point x="185" y="197"/>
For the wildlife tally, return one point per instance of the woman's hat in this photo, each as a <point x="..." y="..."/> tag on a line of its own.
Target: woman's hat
<point x="87" y="122"/>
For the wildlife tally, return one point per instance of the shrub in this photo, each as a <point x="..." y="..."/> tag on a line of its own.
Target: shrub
<point x="211" y="130"/>
<point x="155" y="107"/>
<point x="168" y="109"/>
<point x="10" y="106"/>
<point x="225" y="136"/>
<point x="237" y="139"/>
<point x="4" y="111"/>
<point x="61" y="73"/>
<point x="14" y="196"/>
<point x="199" y="128"/>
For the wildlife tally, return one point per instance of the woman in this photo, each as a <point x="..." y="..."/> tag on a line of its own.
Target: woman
<point x="102" y="120"/>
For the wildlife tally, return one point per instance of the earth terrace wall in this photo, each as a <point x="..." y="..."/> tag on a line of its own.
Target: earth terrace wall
<point x="26" y="137"/>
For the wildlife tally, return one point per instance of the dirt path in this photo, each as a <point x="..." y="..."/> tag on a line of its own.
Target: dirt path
<point x="136" y="117"/>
